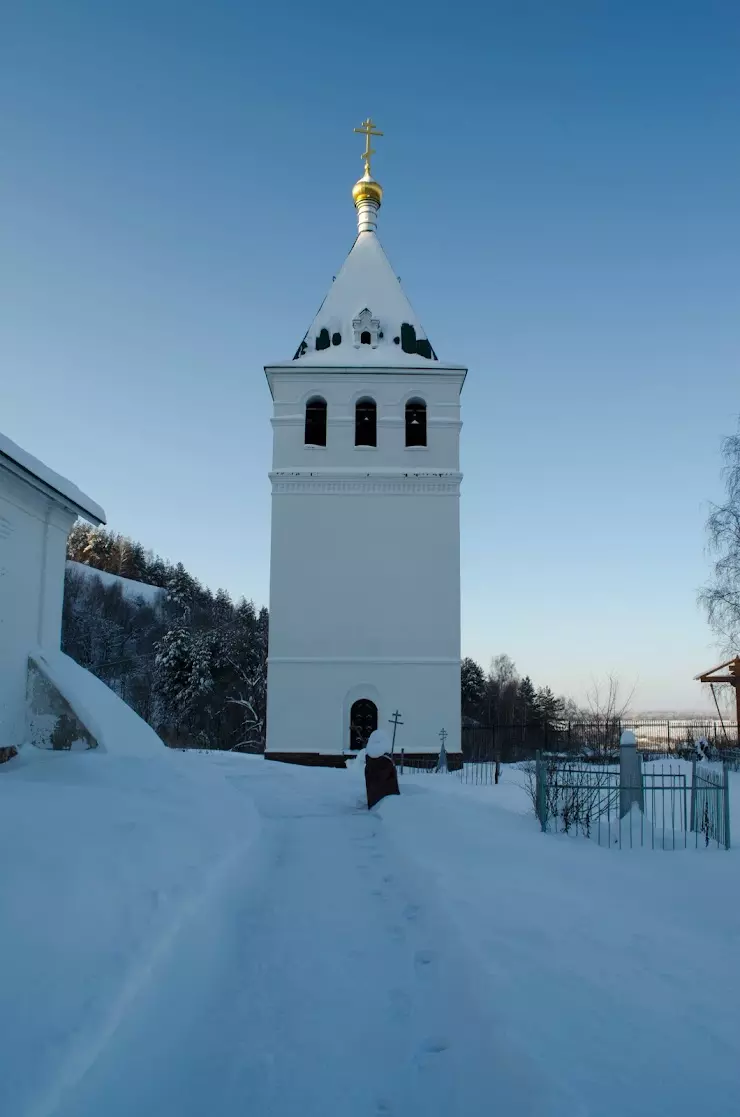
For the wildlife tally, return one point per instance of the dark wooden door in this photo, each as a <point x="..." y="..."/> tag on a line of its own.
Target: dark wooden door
<point x="363" y="720"/>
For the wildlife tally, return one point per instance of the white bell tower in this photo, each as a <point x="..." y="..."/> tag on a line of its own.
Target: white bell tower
<point x="365" y="559"/>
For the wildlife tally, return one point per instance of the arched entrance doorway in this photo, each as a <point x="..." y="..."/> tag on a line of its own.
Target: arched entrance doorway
<point x="363" y="720"/>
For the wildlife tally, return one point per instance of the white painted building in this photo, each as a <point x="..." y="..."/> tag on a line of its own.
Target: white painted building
<point x="37" y="510"/>
<point x="365" y="559"/>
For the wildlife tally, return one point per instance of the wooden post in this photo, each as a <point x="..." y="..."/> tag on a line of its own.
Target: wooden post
<point x="732" y="666"/>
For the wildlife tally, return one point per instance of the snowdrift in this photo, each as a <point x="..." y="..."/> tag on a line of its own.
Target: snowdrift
<point x="115" y="726"/>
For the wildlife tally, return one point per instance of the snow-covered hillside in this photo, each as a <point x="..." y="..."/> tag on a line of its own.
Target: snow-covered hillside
<point x="214" y="933"/>
<point x="133" y="591"/>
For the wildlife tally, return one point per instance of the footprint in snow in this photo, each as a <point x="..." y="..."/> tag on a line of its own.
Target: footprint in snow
<point x="400" y="1003"/>
<point x="423" y="958"/>
<point x="435" y="1045"/>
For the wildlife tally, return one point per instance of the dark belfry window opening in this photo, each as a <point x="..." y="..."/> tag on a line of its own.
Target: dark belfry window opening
<point x="365" y="338"/>
<point x="363" y="720"/>
<point x="366" y="423"/>
<point x="336" y="339"/>
<point x="416" y="423"/>
<point x="316" y="422"/>
<point x="322" y="341"/>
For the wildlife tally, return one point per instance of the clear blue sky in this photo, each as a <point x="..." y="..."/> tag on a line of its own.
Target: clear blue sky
<point x="562" y="204"/>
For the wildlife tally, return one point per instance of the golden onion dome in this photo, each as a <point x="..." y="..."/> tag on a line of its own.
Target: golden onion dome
<point x="367" y="189"/>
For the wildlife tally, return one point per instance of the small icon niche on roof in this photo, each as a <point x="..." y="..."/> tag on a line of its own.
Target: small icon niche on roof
<point x="366" y="329"/>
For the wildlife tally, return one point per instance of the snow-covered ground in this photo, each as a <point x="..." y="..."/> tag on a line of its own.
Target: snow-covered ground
<point x="212" y="933"/>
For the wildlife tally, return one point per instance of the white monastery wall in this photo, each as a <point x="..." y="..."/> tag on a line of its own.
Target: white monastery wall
<point x="33" y="538"/>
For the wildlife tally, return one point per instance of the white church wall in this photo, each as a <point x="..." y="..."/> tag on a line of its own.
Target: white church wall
<point x="33" y="536"/>
<point x="380" y="569"/>
<point x="309" y="703"/>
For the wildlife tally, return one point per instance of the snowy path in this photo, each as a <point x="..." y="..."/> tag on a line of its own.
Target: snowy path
<point x="314" y="982"/>
<point x="215" y="934"/>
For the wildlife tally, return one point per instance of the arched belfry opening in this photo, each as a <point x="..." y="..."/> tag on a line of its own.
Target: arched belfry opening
<point x="366" y="422"/>
<point x="416" y="423"/>
<point x="363" y="720"/>
<point x="315" y="429"/>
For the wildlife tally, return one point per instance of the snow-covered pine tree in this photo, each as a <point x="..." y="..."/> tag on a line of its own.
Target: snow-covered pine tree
<point x="527" y="711"/>
<point x="132" y="563"/>
<point x="183" y="672"/>
<point x="550" y="707"/>
<point x="100" y="550"/>
<point x="181" y="588"/>
<point x="77" y="540"/>
<point x="223" y="609"/>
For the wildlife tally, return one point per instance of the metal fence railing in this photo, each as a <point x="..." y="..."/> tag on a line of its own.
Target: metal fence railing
<point x="710" y="803"/>
<point x="473" y="771"/>
<point x="596" y="740"/>
<point x="572" y="797"/>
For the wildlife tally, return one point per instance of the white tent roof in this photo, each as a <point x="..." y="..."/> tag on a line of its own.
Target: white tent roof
<point x="51" y="480"/>
<point x="366" y="281"/>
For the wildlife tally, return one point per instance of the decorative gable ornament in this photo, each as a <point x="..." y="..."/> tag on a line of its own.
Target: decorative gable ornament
<point x="366" y="329"/>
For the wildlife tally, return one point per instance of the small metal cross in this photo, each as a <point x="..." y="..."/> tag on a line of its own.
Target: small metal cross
<point x="443" y="735"/>
<point x="395" y="721"/>
<point x="367" y="129"/>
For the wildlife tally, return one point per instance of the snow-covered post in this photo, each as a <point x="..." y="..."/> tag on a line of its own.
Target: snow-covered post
<point x="630" y="774"/>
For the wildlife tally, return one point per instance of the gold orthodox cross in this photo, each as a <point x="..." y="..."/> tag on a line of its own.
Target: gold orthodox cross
<point x="367" y="129"/>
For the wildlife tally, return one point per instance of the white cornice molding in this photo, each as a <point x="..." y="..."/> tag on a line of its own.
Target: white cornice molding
<point x="326" y="482"/>
<point x="33" y="497"/>
<point x="362" y="374"/>
<point x="429" y="368"/>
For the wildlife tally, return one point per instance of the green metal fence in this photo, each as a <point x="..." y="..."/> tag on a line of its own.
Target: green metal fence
<point x="710" y="803"/>
<point x="572" y="797"/>
<point x="478" y="771"/>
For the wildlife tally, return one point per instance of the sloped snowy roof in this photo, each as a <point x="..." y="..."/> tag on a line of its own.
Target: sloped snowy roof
<point x="366" y="282"/>
<point x="51" y="480"/>
<point x="130" y="588"/>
